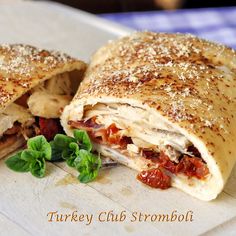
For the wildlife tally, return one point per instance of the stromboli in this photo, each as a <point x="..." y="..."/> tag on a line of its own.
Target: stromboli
<point x="23" y="71"/>
<point x="185" y="83"/>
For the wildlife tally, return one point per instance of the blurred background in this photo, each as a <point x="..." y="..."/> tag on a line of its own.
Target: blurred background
<point x="105" y="6"/>
<point x="214" y="20"/>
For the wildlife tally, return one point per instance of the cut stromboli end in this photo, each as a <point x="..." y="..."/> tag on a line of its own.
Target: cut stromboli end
<point x="132" y="156"/>
<point x="160" y="92"/>
<point x="148" y="160"/>
<point x="35" y="84"/>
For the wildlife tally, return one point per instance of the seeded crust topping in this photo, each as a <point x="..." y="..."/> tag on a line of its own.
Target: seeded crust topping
<point x="181" y="76"/>
<point x="21" y="66"/>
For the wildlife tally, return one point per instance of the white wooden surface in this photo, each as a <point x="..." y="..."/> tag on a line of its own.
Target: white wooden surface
<point x="25" y="201"/>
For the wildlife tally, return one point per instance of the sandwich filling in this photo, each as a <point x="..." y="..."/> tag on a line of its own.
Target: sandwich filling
<point x="36" y="112"/>
<point x="157" y="148"/>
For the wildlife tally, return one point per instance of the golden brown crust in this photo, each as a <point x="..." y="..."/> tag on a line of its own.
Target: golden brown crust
<point x="189" y="81"/>
<point x="23" y="67"/>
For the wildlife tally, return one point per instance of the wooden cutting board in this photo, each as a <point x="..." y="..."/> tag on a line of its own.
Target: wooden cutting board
<point x="26" y="202"/>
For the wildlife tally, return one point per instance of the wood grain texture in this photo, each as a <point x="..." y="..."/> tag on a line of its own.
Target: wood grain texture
<point x="9" y="227"/>
<point x="134" y="196"/>
<point x="27" y="201"/>
<point x="228" y="227"/>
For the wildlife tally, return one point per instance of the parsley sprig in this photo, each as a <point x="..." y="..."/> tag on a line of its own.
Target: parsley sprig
<point x="75" y="151"/>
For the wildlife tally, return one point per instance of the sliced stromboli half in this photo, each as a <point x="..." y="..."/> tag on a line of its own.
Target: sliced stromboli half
<point x="163" y="104"/>
<point x="35" y="86"/>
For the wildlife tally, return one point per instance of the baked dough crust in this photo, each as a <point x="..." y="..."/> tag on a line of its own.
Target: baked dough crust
<point x="22" y="67"/>
<point x="186" y="81"/>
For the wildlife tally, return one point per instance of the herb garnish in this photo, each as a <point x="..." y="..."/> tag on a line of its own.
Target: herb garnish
<point x="33" y="158"/>
<point x="76" y="151"/>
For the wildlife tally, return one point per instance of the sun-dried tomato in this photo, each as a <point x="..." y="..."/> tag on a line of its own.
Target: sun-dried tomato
<point x="192" y="167"/>
<point x="49" y="127"/>
<point x="155" y="178"/>
<point x="165" y="162"/>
